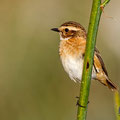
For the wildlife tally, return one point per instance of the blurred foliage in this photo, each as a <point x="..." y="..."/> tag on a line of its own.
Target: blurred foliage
<point x="33" y="84"/>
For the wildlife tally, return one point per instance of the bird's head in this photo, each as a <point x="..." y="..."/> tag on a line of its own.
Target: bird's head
<point x="70" y="30"/>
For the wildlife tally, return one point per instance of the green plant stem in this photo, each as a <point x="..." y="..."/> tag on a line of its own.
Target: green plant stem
<point x="117" y="105"/>
<point x="88" y="60"/>
<point x="105" y="3"/>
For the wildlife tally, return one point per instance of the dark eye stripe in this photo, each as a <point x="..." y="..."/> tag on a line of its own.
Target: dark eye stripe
<point x="66" y="29"/>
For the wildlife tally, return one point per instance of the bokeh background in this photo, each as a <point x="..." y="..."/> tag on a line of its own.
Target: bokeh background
<point x="33" y="84"/>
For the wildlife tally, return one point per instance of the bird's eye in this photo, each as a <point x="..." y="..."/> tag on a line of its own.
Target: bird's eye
<point x="66" y="29"/>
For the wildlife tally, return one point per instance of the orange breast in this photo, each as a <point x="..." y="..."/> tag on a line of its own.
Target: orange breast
<point x="73" y="47"/>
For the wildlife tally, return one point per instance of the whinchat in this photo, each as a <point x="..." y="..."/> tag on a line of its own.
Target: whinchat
<point x="72" y="52"/>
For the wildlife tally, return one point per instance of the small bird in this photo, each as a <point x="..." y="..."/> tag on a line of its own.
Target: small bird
<point x="72" y="52"/>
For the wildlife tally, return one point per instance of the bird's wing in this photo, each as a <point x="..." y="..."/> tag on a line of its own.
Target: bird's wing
<point x="98" y="62"/>
<point x="100" y="68"/>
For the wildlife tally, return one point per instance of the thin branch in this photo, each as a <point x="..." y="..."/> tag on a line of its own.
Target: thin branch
<point x="105" y="3"/>
<point x="117" y="105"/>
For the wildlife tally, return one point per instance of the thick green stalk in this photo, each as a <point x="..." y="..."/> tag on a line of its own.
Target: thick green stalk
<point x="88" y="61"/>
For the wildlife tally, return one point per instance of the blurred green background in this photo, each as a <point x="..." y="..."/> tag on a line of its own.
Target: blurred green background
<point x="33" y="84"/>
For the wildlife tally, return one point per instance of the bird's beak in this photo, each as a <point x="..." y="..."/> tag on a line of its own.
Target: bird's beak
<point x="55" y="29"/>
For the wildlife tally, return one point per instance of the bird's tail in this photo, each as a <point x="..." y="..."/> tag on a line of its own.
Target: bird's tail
<point x="111" y="85"/>
<point x="107" y="82"/>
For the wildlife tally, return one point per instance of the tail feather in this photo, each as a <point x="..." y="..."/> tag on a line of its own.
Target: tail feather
<point x="111" y="85"/>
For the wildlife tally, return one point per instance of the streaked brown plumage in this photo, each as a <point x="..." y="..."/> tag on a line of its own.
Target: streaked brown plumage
<point x="72" y="51"/>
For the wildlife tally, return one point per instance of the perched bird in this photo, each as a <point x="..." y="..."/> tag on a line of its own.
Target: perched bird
<point x="72" y="52"/>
